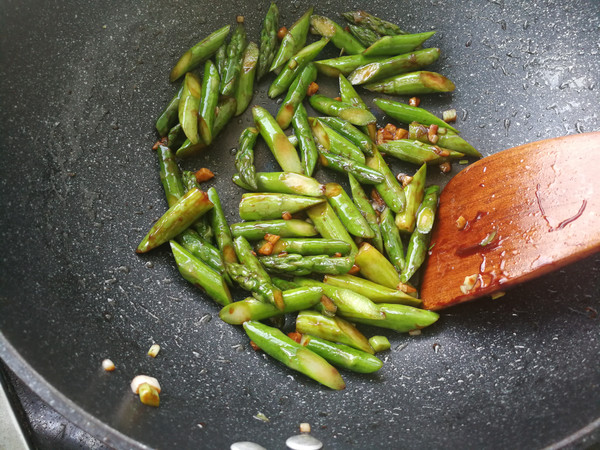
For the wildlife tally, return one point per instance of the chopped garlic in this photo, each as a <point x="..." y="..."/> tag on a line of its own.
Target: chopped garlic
<point x="461" y="223"/>
<point x="154" y="349"/>
<point x="305" y="427"/>
<point x="108" y="365"/>
<point x="449" y="115"/>
<point x="468" y="284"/>
<point x="144" y="379"/>
<point x="414" y="332"/>
<point x="149" y="395"/>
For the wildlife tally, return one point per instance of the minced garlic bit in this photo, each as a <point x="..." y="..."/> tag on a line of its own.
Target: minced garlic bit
<point x="498" y="294"/>
<point x="400" y="133"/>
<point x="407" y="289"/>
<point x="144" y="379"/>
<point x="154" y="349"/>
<point x="203" y="175"/>
<point x="414" y="101"/>
<point x="461" y="223"/>
<point x="313" y="88"/>
<point x="149" y="395"/>
<point x="432" y="134"/>
<point x="445" y="167"/>
<point x="468" y="284"/>
<point x="261" y="416"/>
<point x="414" y="332"/>
<point x="266" y="249"/>
<point x="305" y="427"/>
<point x="108" y="365"/>
<point x="449" y="115"/>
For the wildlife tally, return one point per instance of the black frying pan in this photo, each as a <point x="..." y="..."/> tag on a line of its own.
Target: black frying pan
<point x="81" y="86"/>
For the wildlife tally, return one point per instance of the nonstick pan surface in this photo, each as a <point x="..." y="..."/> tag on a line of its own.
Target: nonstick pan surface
<point x="81" y="85"/>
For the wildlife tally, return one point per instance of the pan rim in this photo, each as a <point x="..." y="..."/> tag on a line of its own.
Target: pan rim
<point x="112" y="437"/>
<point x="61" y="403"/>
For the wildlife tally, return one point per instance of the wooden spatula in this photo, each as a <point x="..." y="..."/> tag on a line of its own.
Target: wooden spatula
<point x="521" y="213"/>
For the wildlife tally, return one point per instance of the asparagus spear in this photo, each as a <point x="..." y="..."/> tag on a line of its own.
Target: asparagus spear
<point x="390" y="190"/>
<point x="309" y="246"/>
<point x="293" y="41"/>
<point x="363" y="173"/>
<point x="350" y="304"/>
<point x="418" y="152"/>
<point x="233" y="64"/>
<point x="221" y="228"/>
<point x="250" y="308"/>
<point x="364" y="206"/>
<point x="176" y="136"/>
<point x="174" y="188"/>
<point x="256" y="230"/>
<point x="333" y="329"/>
<point x="445" y="138"/>
<point x="364" y="35"/>
<point x="350" y="132"/>
<point x="188" y="107"/>
<point x="244" y="158"/>
<point x="244" y="89"/>
<point x="364" y="19"/>
<point x="339" y="37"/>
<point x="244" y="252"/>
<point x="329" y="226"/>
<point x="344" y="65"/>
<point x="202" y="225"/>
<point x="204" y="251"/>
<point x="377" y="293"/>
<point x="208" y="101"/>
<point x="407" y="114"/>
<point x="169" y="116"/>
<point x="251" y="281"/>
<point x="299" y="265"/>
<point x="419" y="239"/>
<point x="395" y="65"/>
<point x="199" y="53"/>
<point x="379" y="343"/>
<point x="295" y="356"/>
<point x="177" y="218"/>
<point x="306" y="141"/>
<point x="375" y="267"/>
<point x="349" y="95"/>
<point x="288" y="183"/>
<point x="341" y="355"/>
<point x="347" y="211"/>
<point x="268" y="41"/>
<point x="201" y="275"/>
<point x="224" y="112"/>
<point x="333" y="142"/>
<point x="265" y="206"/>
<point x="170" y="175"/>
<point x="402" y="318"/>
<point x="295" y="66"/>
<point x="414" y="83"/>
<point x="405" y="221"/>
<point x="295" y="95"/>
<point x="391" y="239"/>
<point x="343" y="110"/>
<point x="396" y="45"/>
<point x="221" y="58"/>
<point x="277" y="141"/>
